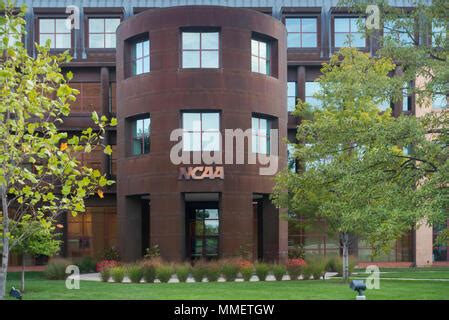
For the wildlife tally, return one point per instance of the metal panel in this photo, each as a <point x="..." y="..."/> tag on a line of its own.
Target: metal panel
<point x="171" y="3"/>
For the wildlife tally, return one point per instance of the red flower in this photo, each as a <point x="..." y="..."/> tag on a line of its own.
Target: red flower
<point x="296" y="262"/>
<point x="105" y="264"/>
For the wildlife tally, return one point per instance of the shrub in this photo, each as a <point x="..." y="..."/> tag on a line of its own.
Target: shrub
<point x="230" y="270"/>
<point x="316" y="267"/>
<point x="213" y="271"/>
<point x="296" y="252"/>
<point x="135" y="273"/>
<point x="247" y="272"/>
<point x="295" y="268"/>
<point x="335" y="264"/>
<point x="278" y="271"/>
<point x="106" y="264"/>
<point x="182" y="272"/>
<point x="118" y="274"/>
<point x="87" y="265"/>
<point x="56" y="269"/>
<point x="262" y="270"/>
<point x="152" y="253"/>
<point x="149" y="272"/>
<point x="110" y="254"/>
<point x="105" y="274"/>
<point x="164" y="273"/>
<point x="307" y="272"/>
<point x="199" y="271"/>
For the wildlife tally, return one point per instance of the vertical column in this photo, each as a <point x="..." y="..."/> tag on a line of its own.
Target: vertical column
<point x="129" y="220"/>
<point x="236" y="222"/>
<point x="104" y="94"/>
<point x="167" y="225"/>
<point x="275" y="233"/>
<point x="397" y="108"/>
<point x="423" y="245"/>
<point x="301" y="82"/>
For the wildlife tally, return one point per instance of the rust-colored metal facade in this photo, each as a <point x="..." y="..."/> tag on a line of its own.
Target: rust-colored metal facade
<point x="232" y="90"/>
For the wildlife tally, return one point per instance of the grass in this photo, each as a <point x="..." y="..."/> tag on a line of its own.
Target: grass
<point x="412" y="273"/>
<point x="41" y="289"/>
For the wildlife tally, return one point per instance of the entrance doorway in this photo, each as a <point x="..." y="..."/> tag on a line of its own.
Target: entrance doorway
<point x="203" y="226"/>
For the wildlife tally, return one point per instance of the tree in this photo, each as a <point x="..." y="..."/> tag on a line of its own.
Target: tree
<point x="356" y="175"/>
<point x="41" y="239"/>
<point x="416" y="40"/>
<point x="40" y="174"/>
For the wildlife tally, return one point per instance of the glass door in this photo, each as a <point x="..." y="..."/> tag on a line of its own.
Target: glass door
<point x="203" y="232"/>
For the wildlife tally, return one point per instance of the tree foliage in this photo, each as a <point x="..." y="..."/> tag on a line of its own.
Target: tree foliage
<point x="365" y="172"/>
<point x="416" y="39"/>
<point x="41" y="175"/>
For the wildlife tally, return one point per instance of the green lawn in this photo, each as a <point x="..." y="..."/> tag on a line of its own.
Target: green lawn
<point x="39" y="288"/>
<point x="413" y="273"/>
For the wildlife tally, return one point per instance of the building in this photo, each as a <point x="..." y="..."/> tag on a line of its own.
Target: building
<point x="162" y="65"/>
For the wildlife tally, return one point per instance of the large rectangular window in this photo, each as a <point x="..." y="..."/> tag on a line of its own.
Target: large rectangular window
<point x="384" y="105"/>
<point x="291" y="159"/>
<point x="291" y="96"/>
<point x="439" y="33"/>
<point x="56" y="31"/>
<point x="439" y="102"/>
<point x="200" y="49"/>
<point x="13" y="37"/>
<point x="260" y="135"/>
<point x="201" y="131"/>
<point x="301" y="32"/>
<point x="313" y="87"/>
<point x="102" y="32"/>
<point x="400" y="31"/>
<point x="260" y="56"/>
<point x="140" y="57"/>
<point x="347" y="34"/>
<point x="140" y="136"/>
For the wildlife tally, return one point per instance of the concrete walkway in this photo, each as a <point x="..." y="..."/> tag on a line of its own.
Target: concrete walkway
<point x="174" y="279"/>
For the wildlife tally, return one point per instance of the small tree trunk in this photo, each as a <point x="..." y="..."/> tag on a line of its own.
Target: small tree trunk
<point x="5" y="241"/>
<point x="345" y="242"/>
<point x="22" y="279"/>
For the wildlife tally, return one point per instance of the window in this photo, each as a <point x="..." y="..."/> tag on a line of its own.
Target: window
<point x="260" y="135"/>
<point x="438" y="33"/>
<point x="384" y="105"/>
<point x="201" y="131"/>
<point x="140" y="57"/>
<point x="301" y="32"/>
<point x="260" y="56"/>
<point x="102" y="32"/>
<point x="204" y="232"/>
<point x="291" y="96"/>
<point x="13" y="37"/>
<point x="400" y="31"/>
<point x="291" y="160"/>
<point x="56" y="31"/>
<point x="140" y="136"/>
<point x="200" y="49"/>
<point x="346" y="33"/>
<point x="312" y="87"/>
<point x="406" y="98"/>
<point x="439" y="102"/>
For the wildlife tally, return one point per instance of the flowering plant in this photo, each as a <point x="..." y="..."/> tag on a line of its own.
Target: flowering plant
<point x="295" y="267"/>
<point x="299" y="262"/>
<point x="106" y="264"/>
